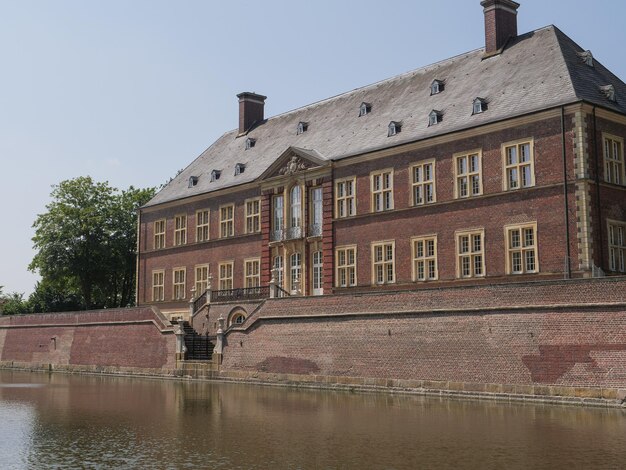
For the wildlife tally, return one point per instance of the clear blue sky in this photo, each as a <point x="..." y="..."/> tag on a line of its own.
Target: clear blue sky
<point x="131" y="91"/>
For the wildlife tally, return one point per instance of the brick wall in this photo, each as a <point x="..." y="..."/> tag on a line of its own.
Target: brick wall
<point x="139" y="338"/>
<point x="570" y="333"/>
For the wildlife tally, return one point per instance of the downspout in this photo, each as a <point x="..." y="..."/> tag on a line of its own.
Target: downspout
<point x="597" y="178"/>
<point x="568" y="267"/>
<point x="137" y="257"/>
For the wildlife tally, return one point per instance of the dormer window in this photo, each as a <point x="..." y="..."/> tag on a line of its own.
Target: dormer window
<point x="193" y="180"/>
<point x="394" y="128"/>
<point x="215" y="175"/>
<point x="302" y="127"/>
<point x="436" y="87"/>
<point x="609" y="92"/>
<point x="480" y="105"/>
<point x="435" y="117"/>
<point x="364" y="109"/>
<point x="586" y="57"/>
<point x="239" y="168"/>
<point x="250" y="143"/>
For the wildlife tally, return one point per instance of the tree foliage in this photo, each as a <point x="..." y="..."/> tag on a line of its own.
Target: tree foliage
<point x="86" y="245"/>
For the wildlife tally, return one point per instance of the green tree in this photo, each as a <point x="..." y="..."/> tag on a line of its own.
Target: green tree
<point x="86" y="242"/>
<point x="13" y="304"/>
<point x="52" y="298"/>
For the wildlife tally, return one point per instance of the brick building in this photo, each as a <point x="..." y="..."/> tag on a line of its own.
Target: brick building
<point x="502" y="164"/>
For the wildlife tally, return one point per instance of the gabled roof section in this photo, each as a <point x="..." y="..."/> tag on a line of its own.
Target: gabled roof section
<point x="536" y="71"/>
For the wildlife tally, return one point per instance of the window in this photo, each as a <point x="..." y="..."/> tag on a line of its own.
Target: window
<point x="295" y="208"/>
<point x="250" y="142"/>
<point x="279" y="273"/>
<point x="382" y="190"/>
<point x="383" y="266"/>
<point x="519" y="169"/>
<point x="436" y="87"/>
<point x="317" y="273"/>
<point x="237" y="318"/>
<point x="179" y="284"/>
<point x="614" y="160"/>
<point x="302" y="127"/>
<point x="617" y="246"/>
<point x="215" y="175"/>
<point x="226" y="275"/>
<point x="252" y="273"/>
<point x="394" y="128"/>
<point x="345" y="266"/>
<point x="479" y="106"/>
<point x="239" y="168"/>
<point x="227" y="223"/>
<point x="159" y="234"/>
<point x="609" y="92"/>
<point x="424" y="258"/>
<point x="202" y="279"/>
<point x="470" y="254"/>
<point x="158" y="286"/>
<point x="278" y="218"/>
<point x="317" y="212"/>
<point x="296" y="271"/>
<point x="364" y="109"/>
<point x="521" y="243"/>
<point x="202" y="226"/>
<point x="193" y="180"/>
<point x="435" y="117"/>
<point x="253" y="216"/>
<point x="345" y="203"/>
<point x="423" y="183"/>
<point x="180" y="230"/>
<point x="467" y="171"/>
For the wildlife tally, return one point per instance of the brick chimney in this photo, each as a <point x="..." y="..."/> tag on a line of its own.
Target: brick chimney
<point x="500" y="23"/>
<point x="251" y="108"/>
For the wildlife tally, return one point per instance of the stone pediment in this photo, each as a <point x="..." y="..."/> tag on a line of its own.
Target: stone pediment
<point x="293" y="161"/>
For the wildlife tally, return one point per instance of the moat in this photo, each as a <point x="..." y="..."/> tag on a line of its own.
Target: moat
<point x="65" y="421"/>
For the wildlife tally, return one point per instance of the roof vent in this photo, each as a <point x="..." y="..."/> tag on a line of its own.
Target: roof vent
<point x="193" y="180"/>
<point x="394" y="128"/>
<point x="609" y="92"/>
<point x="435" y="117"/>
<point x="479" y="106"/>
<point x="586" y="57"/>
<point x="302" y="127"/>
<point x="436" y="87"/>
<point x="239" y="168"/>
<point x="215" y="175"/>
<point x="365" y="108"/>
<point x="250" y="143"/>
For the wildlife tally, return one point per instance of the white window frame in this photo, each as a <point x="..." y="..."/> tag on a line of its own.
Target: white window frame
<point x="614" y="166"/>
<point x="381" y="189"/>
<point x="158" y="290"/>
<point x="201" y="282"/>
<point x="517" y="244"/>
<point x="203" y="218"/>
<point x="159" y="236"/>
<point x="507" y="167"/>
<point x="295" y="272"/>
<point x="180" y="229"/>
<point x="226" y="273"/>
<point x="418" y="182"/>
<point x="616" y="235"/>
<point x="346" y="270"/>
<point x="424" y="259"/>
<point x="467" y="176"/>
<point x="179" y="289"/>
<point x="471" y="254"/>
<point x="381" y="265"/>
<point x="252" y="272"/>
<point x="317" y="272"/>
<point x="345" y="197"/>
<point x="227" y="224"/>
<point x="253" y="219"/>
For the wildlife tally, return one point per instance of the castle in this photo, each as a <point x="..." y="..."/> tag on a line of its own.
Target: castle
<point x="499" y="165"/>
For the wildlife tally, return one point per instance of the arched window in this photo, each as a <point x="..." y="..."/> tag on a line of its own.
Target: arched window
<point x="279" y="267"/>
<point x="296" y="206"/>
<point x="295" y="266"/>
<point x="237" y="317"/>
<point x="317" y="273"/>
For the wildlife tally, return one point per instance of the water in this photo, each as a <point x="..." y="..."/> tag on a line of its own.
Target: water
<point x="61" y="421"/>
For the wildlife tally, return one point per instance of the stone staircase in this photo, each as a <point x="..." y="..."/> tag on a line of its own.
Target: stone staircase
<point x="199" y="347"/>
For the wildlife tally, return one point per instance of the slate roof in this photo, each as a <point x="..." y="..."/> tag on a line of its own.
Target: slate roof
<point x="536" y="71"/>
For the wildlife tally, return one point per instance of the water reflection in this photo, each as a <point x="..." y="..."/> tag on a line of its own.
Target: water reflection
<point x="89" y="422"/>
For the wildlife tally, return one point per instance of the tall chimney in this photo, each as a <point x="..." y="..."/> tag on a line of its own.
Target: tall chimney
<point x="250" y="110"/>
<point x="500" y="23"/>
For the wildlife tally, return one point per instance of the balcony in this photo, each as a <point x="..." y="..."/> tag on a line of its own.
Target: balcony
<point x="277" y="235"/>
<point x="293" y="233"/>
<point x="315" y="230"/>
